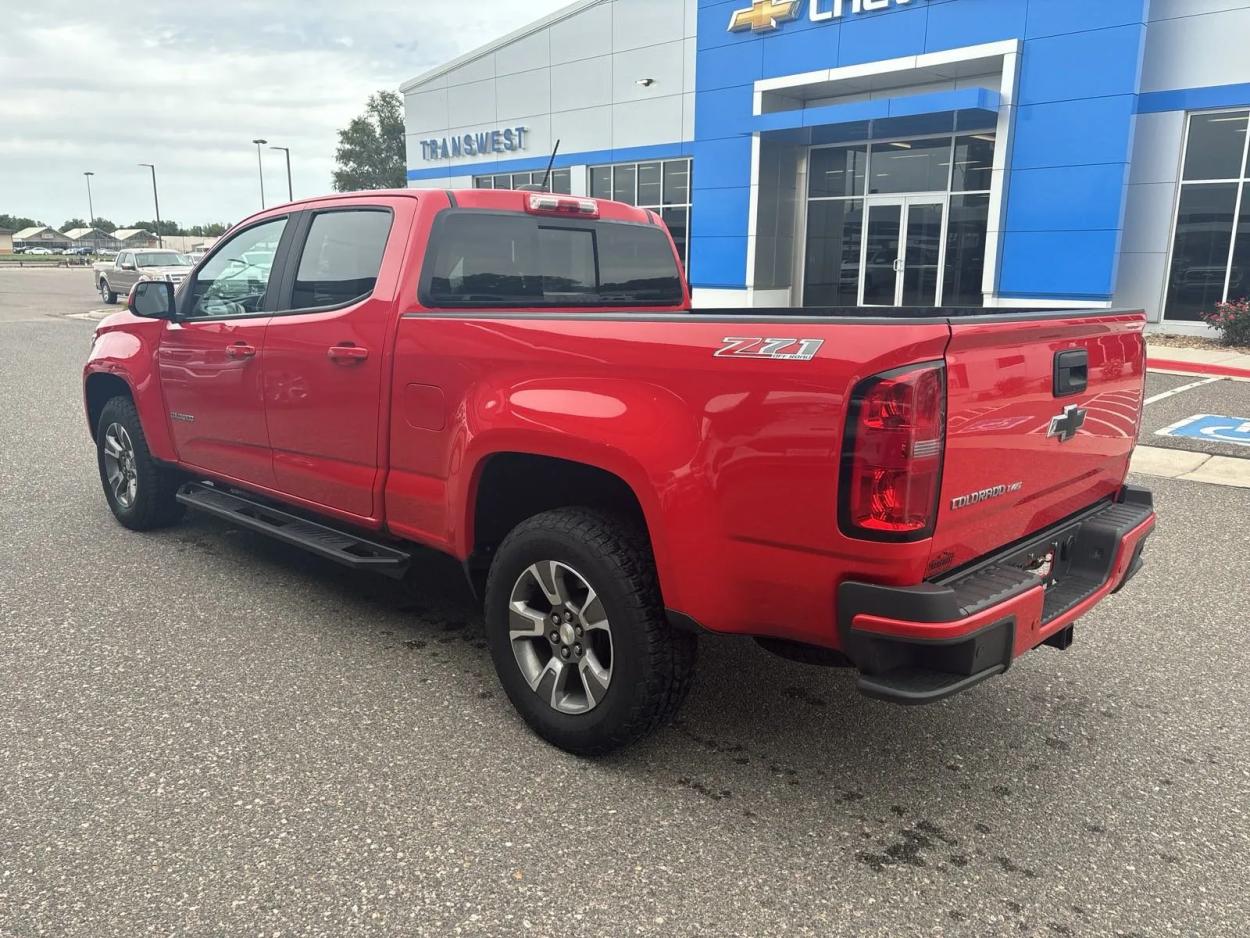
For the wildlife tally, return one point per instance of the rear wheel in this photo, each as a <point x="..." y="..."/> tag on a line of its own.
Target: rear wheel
<point x="140" y="491"/>
<point x="578" y="633"/>
<point x="106" y="294"/>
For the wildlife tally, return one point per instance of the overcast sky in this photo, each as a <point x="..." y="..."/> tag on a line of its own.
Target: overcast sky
<point x="187" y="85"/>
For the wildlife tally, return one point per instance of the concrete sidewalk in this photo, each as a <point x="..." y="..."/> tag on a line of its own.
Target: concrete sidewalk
<point x="1227" y="363"/>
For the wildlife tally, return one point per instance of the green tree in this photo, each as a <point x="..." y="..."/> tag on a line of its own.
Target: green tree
<point x="215" y="230"/>
<point x="18" y="222"/>
<point x="166" y="227"/>
<point x="104" y="225"/>
<point x="370" y="154"/>
<point x="74" y="223"/>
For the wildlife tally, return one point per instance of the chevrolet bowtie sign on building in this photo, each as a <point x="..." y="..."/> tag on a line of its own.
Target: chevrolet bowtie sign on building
<point x="764" y="15"/>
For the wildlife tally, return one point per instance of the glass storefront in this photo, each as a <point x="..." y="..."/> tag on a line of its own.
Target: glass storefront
<point x="898" y="223"/>
<point x="662" y="186"/>
<point x="1211" y="246"/>
<point x="561" y="181"/>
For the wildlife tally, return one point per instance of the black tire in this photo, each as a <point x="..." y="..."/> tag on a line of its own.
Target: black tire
<point x="152" y="502"/>
<point x="652" y="663"/>
<point x="107" y="295"/>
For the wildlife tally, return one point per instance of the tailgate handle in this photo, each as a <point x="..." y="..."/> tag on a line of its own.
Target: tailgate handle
<point x="1071" y="372"/>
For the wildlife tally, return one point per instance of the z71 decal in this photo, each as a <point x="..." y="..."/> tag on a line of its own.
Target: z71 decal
<point x="787" y="350"/>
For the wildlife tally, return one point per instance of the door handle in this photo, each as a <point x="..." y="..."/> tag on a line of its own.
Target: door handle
<point x="347" y="354"/>
<point x="240" y="351"/>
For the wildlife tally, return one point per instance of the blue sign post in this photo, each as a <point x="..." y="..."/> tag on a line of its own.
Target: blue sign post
<point x="1212" y="428"/>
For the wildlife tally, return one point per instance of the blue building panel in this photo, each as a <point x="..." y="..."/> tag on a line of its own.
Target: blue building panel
<point x="1063" y="265"/>
<point x="1066" y="198"/>
<point x="1068" y="160"/>
<point x="1082" y="65"/>
<point x="1057" y="17"/>
<point x="973" y="22"/>
<point x="1073" y="133"/>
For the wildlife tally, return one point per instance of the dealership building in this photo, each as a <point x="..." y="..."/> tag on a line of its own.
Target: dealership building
<point x="1005" y="153"/>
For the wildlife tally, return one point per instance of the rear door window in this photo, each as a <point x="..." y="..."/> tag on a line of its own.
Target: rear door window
<point x="495" y="260"/>
<point x="341" y="259"/>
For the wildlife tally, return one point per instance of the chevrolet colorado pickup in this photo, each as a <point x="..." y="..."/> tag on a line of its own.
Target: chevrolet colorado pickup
<point x="518" y="380"/>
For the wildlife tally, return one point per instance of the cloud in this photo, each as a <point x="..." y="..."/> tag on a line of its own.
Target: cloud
<point x="188" y="86"/>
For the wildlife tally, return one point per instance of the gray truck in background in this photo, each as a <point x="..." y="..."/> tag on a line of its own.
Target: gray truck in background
<point x="115" y="277"/>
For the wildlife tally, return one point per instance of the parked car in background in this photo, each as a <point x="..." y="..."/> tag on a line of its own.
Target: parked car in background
<point x="42" y="252"/>
<point x="129" y="267"/>
<point x="517" y="379"/>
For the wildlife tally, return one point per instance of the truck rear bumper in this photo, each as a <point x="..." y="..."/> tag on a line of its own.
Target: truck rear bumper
<point x="922" y="644"/>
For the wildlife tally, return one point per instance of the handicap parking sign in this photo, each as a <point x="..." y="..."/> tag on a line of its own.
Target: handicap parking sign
<point x="1212" y="428"/>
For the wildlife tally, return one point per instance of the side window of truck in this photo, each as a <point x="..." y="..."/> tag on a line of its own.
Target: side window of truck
<point x="234" y="280"/>
<point x="341" y="258"/>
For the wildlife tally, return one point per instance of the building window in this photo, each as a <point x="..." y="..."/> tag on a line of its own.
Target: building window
<point x="561" y="180"/>
<point x="662" y="186"/>
<point x="1211" y="246"/>
<point x="898" y="222"/>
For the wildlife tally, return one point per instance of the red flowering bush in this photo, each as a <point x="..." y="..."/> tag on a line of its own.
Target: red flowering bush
<point x="1231" y="320"/>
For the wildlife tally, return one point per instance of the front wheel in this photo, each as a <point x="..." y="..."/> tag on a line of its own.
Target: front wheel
<point x="141" y="492"/>
<point x="578" y="634"/>
<point x="106" y="294"/>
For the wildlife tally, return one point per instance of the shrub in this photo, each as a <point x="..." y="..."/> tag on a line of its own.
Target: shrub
<point x="1231" y="320"/>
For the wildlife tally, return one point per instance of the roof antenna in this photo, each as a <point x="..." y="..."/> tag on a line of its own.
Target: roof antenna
<point x="550" y="163"/>
<point x="546" y="185"/>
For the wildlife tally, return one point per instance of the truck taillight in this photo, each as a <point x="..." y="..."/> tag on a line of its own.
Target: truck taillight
<point x="892" y="455"/>
<point x="555" y="205"/>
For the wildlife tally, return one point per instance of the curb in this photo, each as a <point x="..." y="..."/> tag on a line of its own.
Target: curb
<point x="1196" y="368"/>
<point x="1191" y="466"/>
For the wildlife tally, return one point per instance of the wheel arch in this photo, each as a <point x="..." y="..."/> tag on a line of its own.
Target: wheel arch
<point x="508" y="487"/>
<point x="99" y="388"/>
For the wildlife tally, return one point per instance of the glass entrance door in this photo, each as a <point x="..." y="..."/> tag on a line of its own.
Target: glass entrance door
<point x="902" y="256"/>
<point x="883" y="248"/>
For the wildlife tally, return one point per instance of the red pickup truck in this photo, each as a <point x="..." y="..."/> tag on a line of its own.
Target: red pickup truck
<point x="517" y="379"/>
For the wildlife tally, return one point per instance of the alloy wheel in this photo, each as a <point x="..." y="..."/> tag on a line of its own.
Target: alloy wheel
<point x="561" y="637"/>
<point x="120" y="467"/>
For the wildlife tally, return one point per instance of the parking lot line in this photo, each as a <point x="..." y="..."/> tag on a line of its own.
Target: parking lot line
<point x="1182" y="389"/>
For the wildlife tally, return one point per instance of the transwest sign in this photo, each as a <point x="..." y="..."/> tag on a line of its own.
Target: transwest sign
<point x="507" y="140"/>
<point x="764" y="15"/>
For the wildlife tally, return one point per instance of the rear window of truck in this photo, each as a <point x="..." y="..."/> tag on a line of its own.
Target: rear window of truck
<point x="490" y="260"/>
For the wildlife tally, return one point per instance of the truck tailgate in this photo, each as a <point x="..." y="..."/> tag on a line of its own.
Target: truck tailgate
<point x="1023" y="451"/>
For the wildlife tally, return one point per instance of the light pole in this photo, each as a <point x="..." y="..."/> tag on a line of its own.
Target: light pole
<point x="290" y="190"/>
<point x="260" y="167"/>
<point x="95" y="235"/>
<point x="155" y="198"/>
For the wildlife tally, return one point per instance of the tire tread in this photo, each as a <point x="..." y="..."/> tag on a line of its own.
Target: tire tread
<point x="158" y="507"/>
<point x="669" y="668"/>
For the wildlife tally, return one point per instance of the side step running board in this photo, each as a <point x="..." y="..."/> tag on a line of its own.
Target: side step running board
<point x="340" y="546"/>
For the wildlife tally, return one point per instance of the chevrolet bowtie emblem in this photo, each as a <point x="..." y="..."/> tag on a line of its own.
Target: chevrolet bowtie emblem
<point x="1066" y="424"/>
<point x="764" y="15"/>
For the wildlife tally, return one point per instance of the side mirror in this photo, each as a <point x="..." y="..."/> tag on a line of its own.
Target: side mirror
<point x="152" y="299"/>
<point x="128" y="266"/>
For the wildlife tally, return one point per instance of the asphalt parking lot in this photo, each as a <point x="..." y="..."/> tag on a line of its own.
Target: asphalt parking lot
<point x="1217" y="396"/>
<point x="203" y="732"/>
